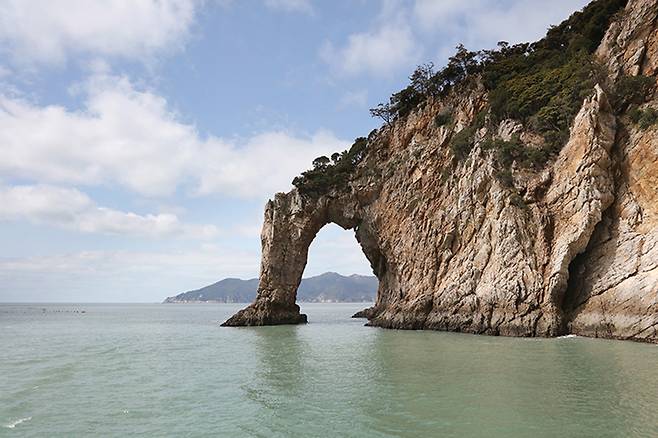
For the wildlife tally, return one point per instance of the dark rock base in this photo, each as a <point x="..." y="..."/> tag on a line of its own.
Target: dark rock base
<point x="256" y="315"/>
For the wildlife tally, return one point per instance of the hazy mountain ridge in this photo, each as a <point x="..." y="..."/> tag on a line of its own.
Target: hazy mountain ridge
<point x="328" y="287"/>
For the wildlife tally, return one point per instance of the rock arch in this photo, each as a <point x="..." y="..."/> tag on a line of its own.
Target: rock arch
<point x="455" y="251"/>
<point x="291" y="223"/>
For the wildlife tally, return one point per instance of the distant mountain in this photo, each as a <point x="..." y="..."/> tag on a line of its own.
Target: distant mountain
<point x="326" y="288"/>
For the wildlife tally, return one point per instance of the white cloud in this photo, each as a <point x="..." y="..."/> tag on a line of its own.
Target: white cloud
<point x="380" y="52"/>
<point x="262" y="164"/>
<point x="291" y="5"/>
<point x="403" y="31"/>
<point x="430" y="13"/>
<point x="72" y="209"/>
<point x="336" y="250"/>
<point x="482" y="23"/>
<point x="132" y="138"/>
<point x="111" y="262"/>
<point x="51" y="30"/>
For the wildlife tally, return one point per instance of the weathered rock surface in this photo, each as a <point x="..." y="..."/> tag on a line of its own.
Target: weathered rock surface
<point x="573" y="249"/>
<point x="631" y="44"/>
<point x="615" y="290"/>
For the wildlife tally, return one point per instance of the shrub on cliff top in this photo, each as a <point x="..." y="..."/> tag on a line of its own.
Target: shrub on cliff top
<point x="328" y="174"/>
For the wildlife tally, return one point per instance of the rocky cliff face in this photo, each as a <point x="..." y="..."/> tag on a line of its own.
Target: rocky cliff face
<point x="614" y="292"/>
<point x="572" y="248"/>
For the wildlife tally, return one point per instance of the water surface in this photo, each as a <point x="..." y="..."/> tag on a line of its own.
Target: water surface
<point x="170" y="370"/>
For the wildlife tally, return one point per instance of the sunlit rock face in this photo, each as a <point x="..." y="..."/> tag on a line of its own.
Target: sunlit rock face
<point x="569" y="249"/>
<point x="614" y="292"/>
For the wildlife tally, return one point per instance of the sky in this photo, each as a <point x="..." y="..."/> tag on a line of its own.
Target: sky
<point x="140" y="139"/>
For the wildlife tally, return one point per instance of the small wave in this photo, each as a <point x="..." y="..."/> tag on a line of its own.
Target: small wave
<point x="17" y="422"/>
<point x="567" y="336"/>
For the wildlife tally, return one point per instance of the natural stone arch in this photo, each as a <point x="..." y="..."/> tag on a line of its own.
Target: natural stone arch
<point x="453" y="248"/>
<point x="291" y="223"/>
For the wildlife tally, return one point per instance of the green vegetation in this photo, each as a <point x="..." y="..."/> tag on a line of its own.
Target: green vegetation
<point x="425" y="83"/>
<point x="331" y="173"/>
<point x="443" y="119"/>
<point x="644" y="118"/>
<point x="508" y="152"/>
<point x="542" y="84"/>
<point x="517" y="201"/>
<point x="505" y="177"/>
<point x="631" y="90"/>
<point x="462" y="142"/>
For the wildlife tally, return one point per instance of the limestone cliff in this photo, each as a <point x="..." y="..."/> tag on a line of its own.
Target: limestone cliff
<point x="569" y="247"/>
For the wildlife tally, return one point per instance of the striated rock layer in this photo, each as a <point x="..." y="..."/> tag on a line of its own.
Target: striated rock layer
<point x="572" y="249"/>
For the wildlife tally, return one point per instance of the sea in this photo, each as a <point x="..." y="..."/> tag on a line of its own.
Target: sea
<point x="170" y="370"/>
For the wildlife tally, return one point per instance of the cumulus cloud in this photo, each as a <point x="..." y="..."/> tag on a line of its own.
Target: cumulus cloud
<point x="261" y="164"/>
<point x="403" y="31"/>
<point x="111" y="262"/>
<point x="291" y="5"/>
<point x="479" y="23"/>
<point x="379" y="52"/>
<point x="50" y="31"/>
<point x="72" y="209"/>
<point x="336" y="250"/>
<point x="131" y="137"/>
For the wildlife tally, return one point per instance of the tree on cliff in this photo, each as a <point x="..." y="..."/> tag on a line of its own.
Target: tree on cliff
<point x="321" y="162"/>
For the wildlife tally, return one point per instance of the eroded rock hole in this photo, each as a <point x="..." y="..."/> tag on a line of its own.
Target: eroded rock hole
<point x="346" y="265"/>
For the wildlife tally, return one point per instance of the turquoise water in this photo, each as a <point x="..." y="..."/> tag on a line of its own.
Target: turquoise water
<point x="170" y="370"/>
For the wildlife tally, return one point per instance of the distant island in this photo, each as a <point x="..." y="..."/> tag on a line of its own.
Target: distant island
<point x="329" y="287"/>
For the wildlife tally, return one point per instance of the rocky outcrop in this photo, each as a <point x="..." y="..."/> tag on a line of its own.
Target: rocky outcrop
<point x="615" y="289"/>
<point x="571" y="249"/>
<point x="630" y="47"/>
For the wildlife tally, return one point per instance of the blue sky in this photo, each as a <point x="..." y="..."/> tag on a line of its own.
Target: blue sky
<point x="141" y="138"/>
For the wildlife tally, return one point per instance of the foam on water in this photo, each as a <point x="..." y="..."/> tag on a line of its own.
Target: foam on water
<point x="17" y="422"/>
